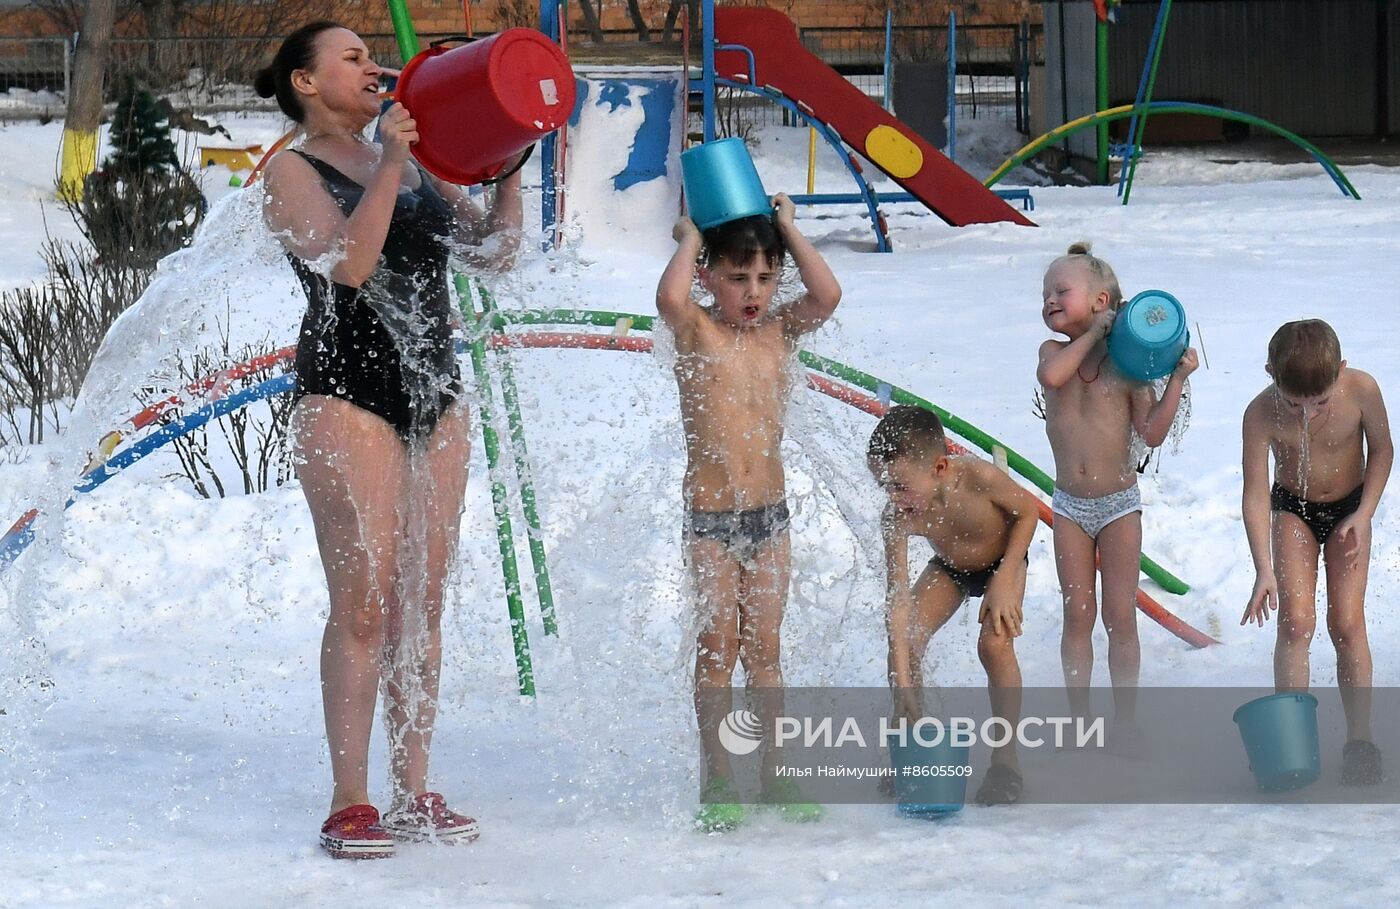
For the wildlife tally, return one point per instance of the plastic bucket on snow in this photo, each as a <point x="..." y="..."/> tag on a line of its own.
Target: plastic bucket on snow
<point x="930" y="780"/>
<point x="479" y="105"/>
<point x="1149" y="336"/>
<point x="721" y="183"/>
<point x="1280" y="737"/>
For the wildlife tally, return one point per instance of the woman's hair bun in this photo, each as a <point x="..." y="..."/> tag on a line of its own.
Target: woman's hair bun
<point x="1082" y="248"/>
<point x="265" y="82"/>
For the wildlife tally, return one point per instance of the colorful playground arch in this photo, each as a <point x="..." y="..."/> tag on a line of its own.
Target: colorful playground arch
<point x="1171" y="107"/>
<point x="837" y="380"/>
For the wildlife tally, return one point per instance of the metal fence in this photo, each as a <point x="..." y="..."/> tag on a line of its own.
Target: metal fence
<point x="33" y="65"/>
<point x="209" y="72"/>
<point x="992" y="61"/>
<point x="218" y="71"/>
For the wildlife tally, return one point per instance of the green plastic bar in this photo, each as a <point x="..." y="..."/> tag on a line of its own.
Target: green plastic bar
<point x="1101" y="94"/>
<point x="511" y="398"/>
<point x="1147" y="98"/>
<point x="1017" y="462"/>
<point x="1172" y="107"/>
<point x="524" y="670"/>
<point x="403" y="29"/>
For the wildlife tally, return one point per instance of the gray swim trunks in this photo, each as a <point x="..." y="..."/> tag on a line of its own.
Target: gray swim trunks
<point x="1094" y="514"/>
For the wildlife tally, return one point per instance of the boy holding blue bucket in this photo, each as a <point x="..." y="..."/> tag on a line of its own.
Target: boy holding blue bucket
<point x="1325" y="426"/>
<point x="733" y="365"/>
<point x="1093" y="409"/>
<point x="980" y="523"/>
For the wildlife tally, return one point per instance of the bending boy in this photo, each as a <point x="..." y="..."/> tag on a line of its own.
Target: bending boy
<point x="980" y="523"/>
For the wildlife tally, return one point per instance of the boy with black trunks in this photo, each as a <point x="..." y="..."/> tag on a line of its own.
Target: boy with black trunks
<point x="980" y="523"/>
<point x="1326" y="427"/>
<point x="734" y="369"/>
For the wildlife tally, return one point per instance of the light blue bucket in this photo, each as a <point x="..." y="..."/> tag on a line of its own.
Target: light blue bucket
<point x="1149" y="336"/>
<point x="1280" y="737"/>
<point x="930" y="780"/>
<point x="721" y="183"/>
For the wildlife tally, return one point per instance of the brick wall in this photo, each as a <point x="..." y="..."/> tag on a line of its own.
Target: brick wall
<point x="445" y="16"/>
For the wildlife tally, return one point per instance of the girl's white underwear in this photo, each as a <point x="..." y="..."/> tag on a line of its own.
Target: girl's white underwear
<point x="1094" y="514"/>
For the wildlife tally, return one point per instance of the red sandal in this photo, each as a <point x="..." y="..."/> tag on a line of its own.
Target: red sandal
<point x="429" y="818"/>
<point x="355" y="833"/>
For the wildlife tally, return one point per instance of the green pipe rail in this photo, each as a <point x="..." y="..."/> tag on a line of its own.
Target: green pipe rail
<point x="525" y="675"/>
<point x="409" y="47"/>
<point x="524" y="476"/>
<point x="1171" y="107"/>
<point x="852" y="376"/>
<point x="404" y="32"/>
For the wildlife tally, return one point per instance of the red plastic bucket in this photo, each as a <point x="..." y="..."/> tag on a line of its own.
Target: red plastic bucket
<point x="479" y="105"/>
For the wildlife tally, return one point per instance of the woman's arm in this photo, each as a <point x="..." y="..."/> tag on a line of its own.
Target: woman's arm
<point x="502" y="222"/>
<point x="300" y="211"/>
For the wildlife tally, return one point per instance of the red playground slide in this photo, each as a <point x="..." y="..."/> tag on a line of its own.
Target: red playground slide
<point x="782" y="62"/>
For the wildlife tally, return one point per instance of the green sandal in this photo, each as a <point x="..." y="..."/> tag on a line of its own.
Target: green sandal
<point x="719" y="807"/>
<point x="791" y="802"/>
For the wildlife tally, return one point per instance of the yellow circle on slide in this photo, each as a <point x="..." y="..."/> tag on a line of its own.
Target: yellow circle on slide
<point x="893" y="152"/>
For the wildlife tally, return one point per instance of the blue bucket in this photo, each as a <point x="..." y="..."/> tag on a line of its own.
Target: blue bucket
<point x="721" y="183"/>
<point x="1280" y="737"/>
<point x="1149" y="336"/>
<point x="930" y="780"/>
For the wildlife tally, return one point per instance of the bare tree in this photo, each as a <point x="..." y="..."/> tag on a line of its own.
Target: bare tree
<point x="516" y="14"/>
<point x="89" y="61"/>
<point x="692" y="10"/>
<point x="591" y="22"/>
<point x="84" y="113"/>
<point x="635" y="11"/>
<point x="67" y="15"/>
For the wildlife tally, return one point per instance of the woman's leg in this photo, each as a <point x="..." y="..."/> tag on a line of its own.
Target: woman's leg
<point x="351" y="464"/>
<point x="437" y="490"/>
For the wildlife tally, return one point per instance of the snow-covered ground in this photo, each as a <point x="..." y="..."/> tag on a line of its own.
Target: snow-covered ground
<point x="178" y="756"/>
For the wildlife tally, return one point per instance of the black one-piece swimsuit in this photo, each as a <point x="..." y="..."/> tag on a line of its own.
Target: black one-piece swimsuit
<point x="385" y="346"/>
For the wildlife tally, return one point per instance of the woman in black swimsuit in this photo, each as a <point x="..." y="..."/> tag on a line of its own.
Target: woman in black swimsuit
<point x="381" y="425"/>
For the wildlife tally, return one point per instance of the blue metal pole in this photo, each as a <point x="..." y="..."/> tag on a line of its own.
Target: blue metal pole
<point x="549" y="189"/>
<point x="707" y="43"/>
<point x="952" y="85"/>
<point x="889" y="58"/>
<point x="1131" y="154"/>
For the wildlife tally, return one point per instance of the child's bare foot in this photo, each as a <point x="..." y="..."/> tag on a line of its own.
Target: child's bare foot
<point x="1000" y="786"/>
<point x="1129" y="741"/>
<point x="1361" y="763"/>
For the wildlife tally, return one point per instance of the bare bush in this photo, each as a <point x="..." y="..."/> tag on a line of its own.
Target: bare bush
<point x="516" y="13"/>
<point x="254" y="438"/>
<point x="50" y="333"/>
<point x="134" y="221"/>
